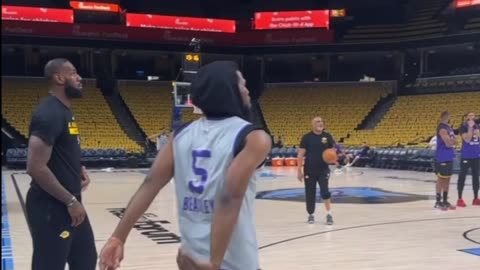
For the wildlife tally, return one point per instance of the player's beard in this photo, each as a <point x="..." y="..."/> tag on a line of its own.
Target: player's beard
<point x="72" y="91"/>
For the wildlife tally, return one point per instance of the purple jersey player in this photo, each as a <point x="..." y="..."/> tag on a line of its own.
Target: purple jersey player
<point x="470" y="158"/>
<point x="444" y="156"/>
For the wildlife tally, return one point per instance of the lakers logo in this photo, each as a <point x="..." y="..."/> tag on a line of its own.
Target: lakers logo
<point x="65" y="234"/>
<point x="72" y="128"/>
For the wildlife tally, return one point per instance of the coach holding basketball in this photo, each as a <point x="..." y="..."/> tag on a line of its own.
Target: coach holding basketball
<point x="313" y="169"/>
<point x="59" y="225"/>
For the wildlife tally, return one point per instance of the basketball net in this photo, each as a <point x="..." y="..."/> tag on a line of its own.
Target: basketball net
<point x="196" y="110"/>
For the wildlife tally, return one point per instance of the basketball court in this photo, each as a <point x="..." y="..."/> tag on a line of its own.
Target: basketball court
<point x="384" y="219"/>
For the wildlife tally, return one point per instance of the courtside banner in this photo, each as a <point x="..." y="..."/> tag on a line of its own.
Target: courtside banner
<point x="292" y="19"/>
<point x="36" y="14"/>
<point x="118" y="32"/>
<point x="180" y="23"/>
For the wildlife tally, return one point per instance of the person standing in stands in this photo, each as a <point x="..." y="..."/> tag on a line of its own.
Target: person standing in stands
<point x="59" y="225"/>
<point x="444" y="156"/>
<point x="470" y="158"/>
<point x="314" y="169"/>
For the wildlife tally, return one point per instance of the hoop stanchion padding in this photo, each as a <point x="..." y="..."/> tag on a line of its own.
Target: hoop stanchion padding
<point x="291" y="162"/>
<point x="278" y="162"/>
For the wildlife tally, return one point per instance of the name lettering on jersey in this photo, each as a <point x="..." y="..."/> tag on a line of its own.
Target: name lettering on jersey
<point x="192" y="204"/>
<point x="151" y="228"/>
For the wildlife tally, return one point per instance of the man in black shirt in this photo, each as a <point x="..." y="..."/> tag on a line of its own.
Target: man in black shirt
<point x="315" y="169"/>
<point x="60" y="228"/>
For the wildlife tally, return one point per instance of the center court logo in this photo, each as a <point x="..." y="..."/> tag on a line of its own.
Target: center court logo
<point x="357" y="195"/>
<point x="153" y="229"/>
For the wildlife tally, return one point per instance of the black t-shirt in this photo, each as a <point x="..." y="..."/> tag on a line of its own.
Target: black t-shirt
<point x="315" y="144"/>
<point x="55" y="124"/>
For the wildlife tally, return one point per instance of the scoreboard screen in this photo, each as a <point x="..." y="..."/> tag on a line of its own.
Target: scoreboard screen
<point x="292" y="19"/>
<point x="466" y="3"/>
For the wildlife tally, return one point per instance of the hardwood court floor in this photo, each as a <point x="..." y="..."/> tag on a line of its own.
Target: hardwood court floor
<point x="384" y="219"/>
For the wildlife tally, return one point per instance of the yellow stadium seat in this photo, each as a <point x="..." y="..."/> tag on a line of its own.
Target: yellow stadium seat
<point x="289" y="111"/>
<point x="151" y="104"/>
<point x="413" y="119"/>
<point x="97" y="124"/>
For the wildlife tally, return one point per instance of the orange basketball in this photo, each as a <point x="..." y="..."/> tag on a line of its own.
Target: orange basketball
<point x="330" y="156"/>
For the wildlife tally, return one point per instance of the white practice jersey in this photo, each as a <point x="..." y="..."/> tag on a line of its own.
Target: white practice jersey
<point x="203" y="152"/>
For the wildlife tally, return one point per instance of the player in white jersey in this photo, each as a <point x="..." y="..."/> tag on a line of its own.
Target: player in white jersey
<point x="214" y="162"/>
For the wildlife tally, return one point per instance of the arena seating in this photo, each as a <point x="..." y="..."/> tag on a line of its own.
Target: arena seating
<point x="188" y="115"/>
<point x="19" y="97"/>
<point x="459" y="83"/>
<point x="423" y="24"/>
<point x="473" y="25"/>
<point x="150" y="103"/>
<point x="98" y="126"/>
<point x="17" y="158"/>
<point x="288" y="110"/>
<point x="413" y="119"/>
<point x="466" y="70"/>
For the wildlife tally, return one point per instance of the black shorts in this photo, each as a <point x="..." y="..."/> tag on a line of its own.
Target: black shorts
<point x="444" y="169"/>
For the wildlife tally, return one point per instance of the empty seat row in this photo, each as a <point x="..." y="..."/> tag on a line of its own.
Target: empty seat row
<point x="17" y="157"/>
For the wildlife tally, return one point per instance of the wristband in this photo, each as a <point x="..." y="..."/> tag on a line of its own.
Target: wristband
<point x="71" y="202"/>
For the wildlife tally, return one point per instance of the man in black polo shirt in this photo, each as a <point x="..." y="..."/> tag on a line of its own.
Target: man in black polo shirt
<point x="60" y="228"/>
<point x="315" y="169"/>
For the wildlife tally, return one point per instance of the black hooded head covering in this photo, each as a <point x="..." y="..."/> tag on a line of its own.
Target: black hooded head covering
<point x="215" y="91"/>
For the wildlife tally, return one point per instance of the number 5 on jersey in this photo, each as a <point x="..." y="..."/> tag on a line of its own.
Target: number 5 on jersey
<point x="197" y="186"/>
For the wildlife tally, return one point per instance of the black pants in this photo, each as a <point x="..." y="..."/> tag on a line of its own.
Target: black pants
<point x="474" y="165"/>
<point x="311" y="180"/>
<point x="55" y="241"/>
